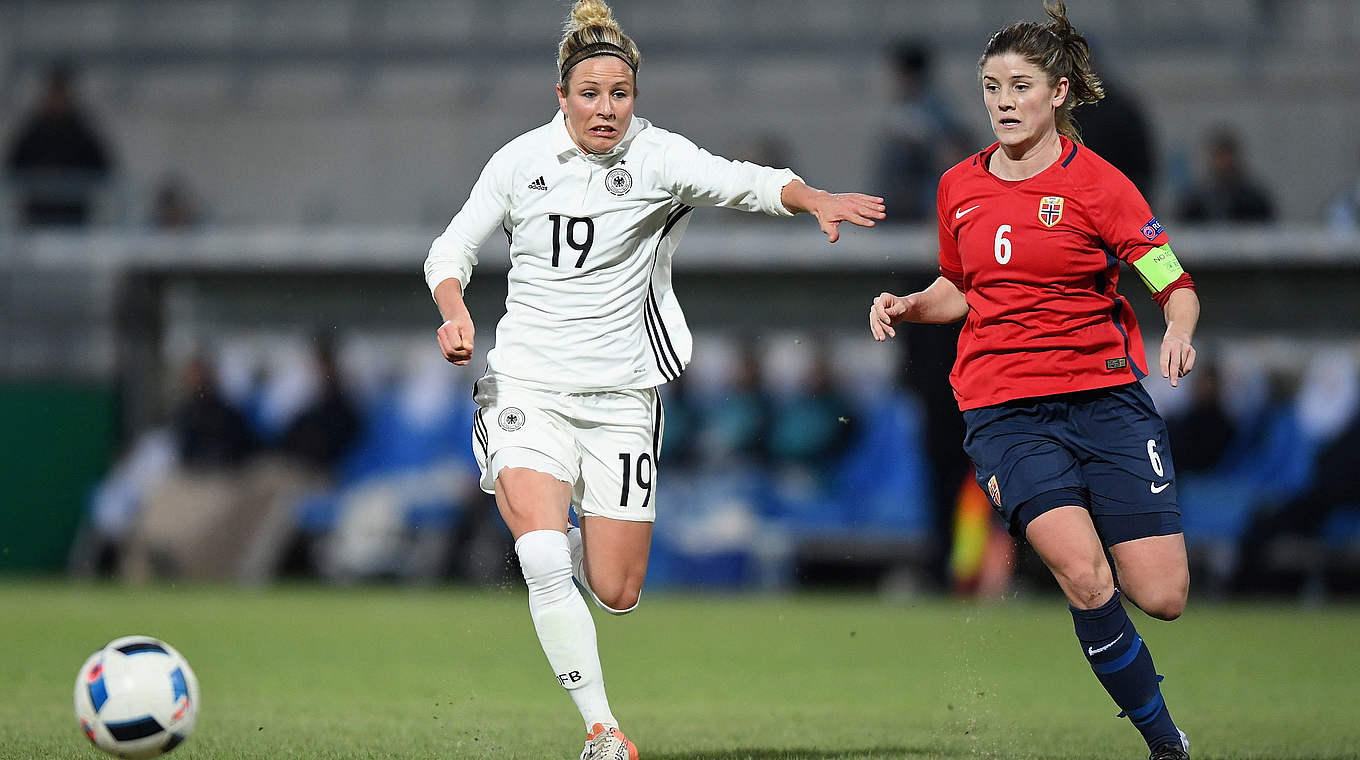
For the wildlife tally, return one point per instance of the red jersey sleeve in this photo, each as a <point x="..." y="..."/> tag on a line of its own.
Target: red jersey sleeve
<point x="951" y="263"/>
<point x="1129" y="230"/>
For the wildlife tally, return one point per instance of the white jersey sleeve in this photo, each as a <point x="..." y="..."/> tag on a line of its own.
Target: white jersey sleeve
<point x="454" y="253"/>
<point x="699" y="178"/>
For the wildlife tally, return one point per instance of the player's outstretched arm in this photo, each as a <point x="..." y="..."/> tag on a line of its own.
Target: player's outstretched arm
<point x="1182" y="315"/>
<point x="833" y="208"/>
<point x="938" y="304"/>
<point x="455" y="335"/>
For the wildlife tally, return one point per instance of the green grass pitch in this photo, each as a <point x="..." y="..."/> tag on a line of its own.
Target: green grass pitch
<point x="303" y="672"/>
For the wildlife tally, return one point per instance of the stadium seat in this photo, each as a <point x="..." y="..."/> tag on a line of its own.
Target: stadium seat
<point x="882" y="479"/>
<point x="1214" y="509"/>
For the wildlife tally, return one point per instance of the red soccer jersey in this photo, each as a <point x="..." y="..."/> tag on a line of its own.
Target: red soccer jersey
<point x="1038" y="261"/>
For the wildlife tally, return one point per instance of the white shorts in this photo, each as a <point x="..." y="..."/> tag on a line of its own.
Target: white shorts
<point x="604" y="445"/>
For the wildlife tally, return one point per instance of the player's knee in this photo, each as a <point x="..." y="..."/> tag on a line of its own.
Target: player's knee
<point x="544" y="558"/>
<point x="1167" y="612"/>
<point x="619" y="599"/>
<point x="1164" y="598"/>
<point x="622" y="605"/>
<point x="1087" y="584"/>
<point x="1165" y="606"/>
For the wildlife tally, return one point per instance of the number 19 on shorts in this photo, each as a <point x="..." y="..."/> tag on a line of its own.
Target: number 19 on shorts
<point x="641" y="474"/>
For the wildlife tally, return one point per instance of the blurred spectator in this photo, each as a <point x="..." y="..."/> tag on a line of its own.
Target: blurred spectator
<point x="908" y="165"/>
<point x="56" y="159"/>
<point x="324" y="431"/>
<point x="930" y="353"/>
<point x="210" y="433"/>
<point x="185" y="525"/>
<point x="1336" y="486"/>
<point x="116" y="502"/>
<point x="736" y="425"/>
<point x="1204" y="431"/>
<point x="810" y="430"/>
<point x="1227" y="193"/>
<point x="1327" y="418"/>
<point x="305" y="460"/>
<point x="173" y="207"/>
<point x="1115" y="128"/>
<point x="950" y="148"/>
<point x="680" y="438"/>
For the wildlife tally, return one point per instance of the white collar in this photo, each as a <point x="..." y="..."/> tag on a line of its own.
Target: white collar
<point x="565" y="148"/>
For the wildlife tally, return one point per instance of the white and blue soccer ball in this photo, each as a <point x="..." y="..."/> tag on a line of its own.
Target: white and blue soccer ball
<point x="136" y="697"/>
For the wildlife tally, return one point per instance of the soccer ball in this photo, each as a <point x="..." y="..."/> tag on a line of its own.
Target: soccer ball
<point x="136" y="697"/>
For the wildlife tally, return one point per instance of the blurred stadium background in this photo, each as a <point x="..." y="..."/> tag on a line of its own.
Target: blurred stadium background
<point x="274" y="172"/>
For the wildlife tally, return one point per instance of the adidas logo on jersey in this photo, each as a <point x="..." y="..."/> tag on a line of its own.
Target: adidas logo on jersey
<point x="538" y="184"/>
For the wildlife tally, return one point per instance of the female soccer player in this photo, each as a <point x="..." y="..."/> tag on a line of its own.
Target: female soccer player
<point x="1065" y="441"/>
<point x="594" y="204"/>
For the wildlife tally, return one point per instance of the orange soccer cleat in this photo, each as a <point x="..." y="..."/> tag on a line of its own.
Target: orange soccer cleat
<point x="608" y="744"/>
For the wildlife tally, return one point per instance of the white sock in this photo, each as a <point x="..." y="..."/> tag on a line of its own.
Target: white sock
<point x="562" y="620"/>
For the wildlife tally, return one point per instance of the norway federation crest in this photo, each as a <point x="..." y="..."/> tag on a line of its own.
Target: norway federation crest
<point x="993" y="490"/>
<point x="1050" y="210"/>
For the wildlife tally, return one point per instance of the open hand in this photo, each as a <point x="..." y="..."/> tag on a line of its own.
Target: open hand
<point x="856" y="208"/>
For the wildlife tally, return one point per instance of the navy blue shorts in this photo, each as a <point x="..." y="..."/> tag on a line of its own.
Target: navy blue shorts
<point x="1104" y="449"/>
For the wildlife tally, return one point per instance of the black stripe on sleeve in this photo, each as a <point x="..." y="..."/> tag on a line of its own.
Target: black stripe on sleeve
<point x="675" y="216"/>
<point x="667" y="359"/>
<point x="662" y="361"/>
<point x="663" y="335"/>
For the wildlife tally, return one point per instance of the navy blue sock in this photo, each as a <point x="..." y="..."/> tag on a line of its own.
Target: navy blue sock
<point x="1124" y="666"/>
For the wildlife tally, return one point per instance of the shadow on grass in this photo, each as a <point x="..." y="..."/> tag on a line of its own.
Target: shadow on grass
<point x="792" y="753"/>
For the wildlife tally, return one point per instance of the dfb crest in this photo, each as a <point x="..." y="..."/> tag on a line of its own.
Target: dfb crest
<point x="511" y="419"/>
<point x="1050" y="210"/>
<point x="618" y="181"/>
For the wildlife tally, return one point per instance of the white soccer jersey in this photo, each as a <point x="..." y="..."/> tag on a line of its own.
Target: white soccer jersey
<point x="590" y="305"/>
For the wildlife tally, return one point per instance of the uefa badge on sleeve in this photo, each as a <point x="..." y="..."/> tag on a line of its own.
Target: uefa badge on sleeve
<point x="1050" y="210"/>
<point x="618" y="181"/>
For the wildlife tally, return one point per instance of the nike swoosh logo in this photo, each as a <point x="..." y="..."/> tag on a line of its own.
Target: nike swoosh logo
<point x="1153" y="487"/>
<point x="959" y="214"/>
<point x="1091" y="651"/>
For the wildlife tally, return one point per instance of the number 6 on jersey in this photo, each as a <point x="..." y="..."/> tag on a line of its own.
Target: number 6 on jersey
<point x="1003" y="246"/>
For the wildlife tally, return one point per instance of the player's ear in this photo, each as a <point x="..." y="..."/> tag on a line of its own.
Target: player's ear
<point x="561" y="98"/>
<point x="1060" y="92"/>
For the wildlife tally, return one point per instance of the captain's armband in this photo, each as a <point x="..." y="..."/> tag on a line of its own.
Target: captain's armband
<point x="1158" y="268"/>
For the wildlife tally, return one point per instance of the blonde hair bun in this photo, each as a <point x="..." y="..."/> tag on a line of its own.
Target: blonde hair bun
<point x="590" y="13"/>
<point x="591" y="24"/>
